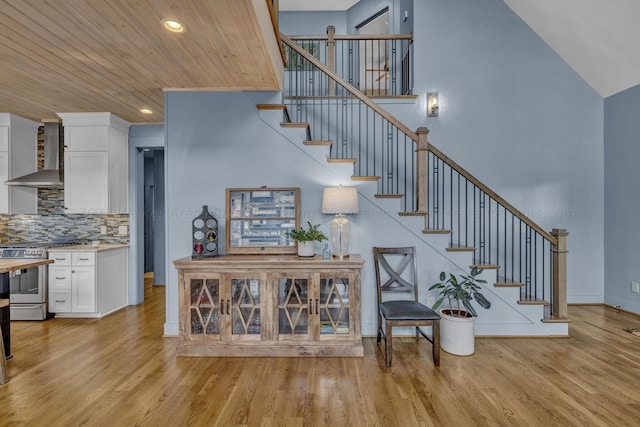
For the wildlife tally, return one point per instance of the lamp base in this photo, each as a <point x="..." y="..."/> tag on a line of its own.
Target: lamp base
<point x="340" y="235"/>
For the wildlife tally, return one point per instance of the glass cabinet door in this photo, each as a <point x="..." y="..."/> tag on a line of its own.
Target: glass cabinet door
<point x="334" y="311"/>
<point x="294" y="307"/>
<point x="204" y="309"/>
<point x="245" y="307"/>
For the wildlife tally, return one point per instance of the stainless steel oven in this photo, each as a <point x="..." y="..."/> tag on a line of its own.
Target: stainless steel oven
<point x="27" y="287"/>
<point x="27" y="293"/>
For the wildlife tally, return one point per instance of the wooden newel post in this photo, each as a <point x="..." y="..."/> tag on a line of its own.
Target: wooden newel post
<point x="559" y="306"/>
<point x="331" y="56"/>
<point x="421" y="162"/>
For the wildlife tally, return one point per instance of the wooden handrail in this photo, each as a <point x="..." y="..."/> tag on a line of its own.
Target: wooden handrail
<point x="357" y="37"/>
<point x="276" y="29"/>
<point x="462" y="171"/>
<point x="355" y="92"/>
<point x="397" y="123"/>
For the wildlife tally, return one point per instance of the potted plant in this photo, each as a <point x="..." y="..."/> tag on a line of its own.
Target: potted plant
<point x="457" y="334"/>
<point x="306" y="238"/>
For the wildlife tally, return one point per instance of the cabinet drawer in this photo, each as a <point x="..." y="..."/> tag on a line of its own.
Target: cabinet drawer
<point x="60" y="258"/>
<point x="83" y="258"/>
<point x="59" y="277"/>
<point x="59" y="301"/>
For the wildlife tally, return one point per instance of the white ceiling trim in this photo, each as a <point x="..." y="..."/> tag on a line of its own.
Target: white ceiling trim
<point x="598" y="39"/>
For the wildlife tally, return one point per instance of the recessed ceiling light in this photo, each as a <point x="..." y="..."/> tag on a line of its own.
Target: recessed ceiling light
<point x="173" y="25"/>
<point x="146" y="111"/>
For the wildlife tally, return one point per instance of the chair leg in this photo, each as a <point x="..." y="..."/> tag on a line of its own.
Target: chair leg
<point x="387" y="344"/>
<point x="435" y="328"/>
<point x="379" y="328"/>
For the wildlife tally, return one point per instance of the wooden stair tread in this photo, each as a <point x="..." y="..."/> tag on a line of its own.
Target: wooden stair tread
<point x="435" y="231"/>
<point x="294" y="125"/>
<point x="413" y="213"/>
<point x="454" y="247"/>
<point x="533" y="301"/>
<point x="389" y="196"/>
<point x="331" y="160"/>
<point x="503" y="282"/>
<point x="556" y="319"/>
<point x="325" y="143"/>
<point x="478" y="265"/>
<point x="364" y="178"/>
<point x="271" y="106"/>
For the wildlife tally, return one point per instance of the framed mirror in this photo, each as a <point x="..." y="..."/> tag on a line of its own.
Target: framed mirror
<point x="258" y="220"/>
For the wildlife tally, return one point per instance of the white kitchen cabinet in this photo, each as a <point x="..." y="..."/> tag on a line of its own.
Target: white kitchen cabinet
<point x="86" y="281"/>
<point x="86" y="182"/>
<point x="96" y="163"/>
<point x="18" y="157"/>
<point x="83" y="289"/>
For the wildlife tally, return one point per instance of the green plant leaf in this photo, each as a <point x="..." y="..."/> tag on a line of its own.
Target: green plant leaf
<point x="480" y="299"/>
<point x="469" y="307"/>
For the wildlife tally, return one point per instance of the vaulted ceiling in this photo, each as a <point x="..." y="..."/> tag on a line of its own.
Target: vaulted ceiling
<point x="597" y="38"/>
<point x="114" y="55"/>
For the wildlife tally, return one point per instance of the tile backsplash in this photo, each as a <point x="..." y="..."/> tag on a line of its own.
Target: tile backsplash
<point x="45" y="228"/>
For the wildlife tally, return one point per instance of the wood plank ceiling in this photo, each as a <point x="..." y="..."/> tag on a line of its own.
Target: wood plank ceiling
<point x="114" y="55"/>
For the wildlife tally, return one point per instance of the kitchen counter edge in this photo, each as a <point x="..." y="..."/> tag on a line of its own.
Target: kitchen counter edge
<point x="87" y="248"/>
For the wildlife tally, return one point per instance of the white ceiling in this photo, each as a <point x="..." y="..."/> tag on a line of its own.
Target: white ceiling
<point x="598" y="38"/>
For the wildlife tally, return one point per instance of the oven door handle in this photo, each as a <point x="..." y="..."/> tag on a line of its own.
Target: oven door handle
<point x="23" y="307"/>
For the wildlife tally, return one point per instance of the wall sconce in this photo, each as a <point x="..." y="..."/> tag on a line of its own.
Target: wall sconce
<point x="432" y="104"/>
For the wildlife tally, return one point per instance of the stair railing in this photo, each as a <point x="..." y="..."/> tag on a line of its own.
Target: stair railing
<point x="358" y="127"/>
<point x="405" y="163"/>
<point x="378" y="65"/>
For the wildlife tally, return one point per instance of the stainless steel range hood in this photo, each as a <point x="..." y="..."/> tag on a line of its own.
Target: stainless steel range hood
<point x="52" y="176"/>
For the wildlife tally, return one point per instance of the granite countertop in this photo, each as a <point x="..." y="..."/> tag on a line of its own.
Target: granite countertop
<point x="87" y="248"/>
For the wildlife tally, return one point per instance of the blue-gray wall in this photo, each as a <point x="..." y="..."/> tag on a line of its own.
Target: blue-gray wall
<point x="622" y="198"/>
<point x="514" y="114"/>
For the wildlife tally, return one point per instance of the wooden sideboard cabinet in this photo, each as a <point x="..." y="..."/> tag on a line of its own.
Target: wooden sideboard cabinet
<point x="269" y="305"/>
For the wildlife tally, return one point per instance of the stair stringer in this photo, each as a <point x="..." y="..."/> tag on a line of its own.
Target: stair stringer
<point x="505" y="318"/>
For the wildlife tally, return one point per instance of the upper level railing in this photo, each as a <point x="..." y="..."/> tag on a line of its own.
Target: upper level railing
<point x="405" y="164"/>
<point x="378" y="65"/>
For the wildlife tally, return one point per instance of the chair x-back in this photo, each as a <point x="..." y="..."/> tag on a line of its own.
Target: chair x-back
<point x="396" y="273"/>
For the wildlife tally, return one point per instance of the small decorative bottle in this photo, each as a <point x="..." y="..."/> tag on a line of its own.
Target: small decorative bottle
<point x="326" y="253"/>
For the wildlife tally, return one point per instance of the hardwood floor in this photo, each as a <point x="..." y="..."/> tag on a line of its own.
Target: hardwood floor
<point x="119" y="371"/>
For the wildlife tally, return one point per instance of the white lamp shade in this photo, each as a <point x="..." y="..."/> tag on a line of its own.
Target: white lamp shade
<point x="340" y="200"/>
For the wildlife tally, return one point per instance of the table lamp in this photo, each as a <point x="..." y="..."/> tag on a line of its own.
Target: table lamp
<point x="340" y="201"/>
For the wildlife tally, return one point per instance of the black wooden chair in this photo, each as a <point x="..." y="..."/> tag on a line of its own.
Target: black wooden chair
<point x="396" y="272"/>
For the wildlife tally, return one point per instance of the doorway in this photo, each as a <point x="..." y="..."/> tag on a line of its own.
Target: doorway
<point x="154" y="212"/>
<point x="374" y="55"/>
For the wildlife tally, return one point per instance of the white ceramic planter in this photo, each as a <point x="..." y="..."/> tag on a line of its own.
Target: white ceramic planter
<point x="305" y="249"/>
<point x="457" y="335"/>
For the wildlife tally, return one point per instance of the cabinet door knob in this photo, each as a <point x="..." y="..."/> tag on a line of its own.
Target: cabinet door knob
<point x="317" y="303"/>
<point x="221" y="306"/>
<point x="228" y="304"/>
